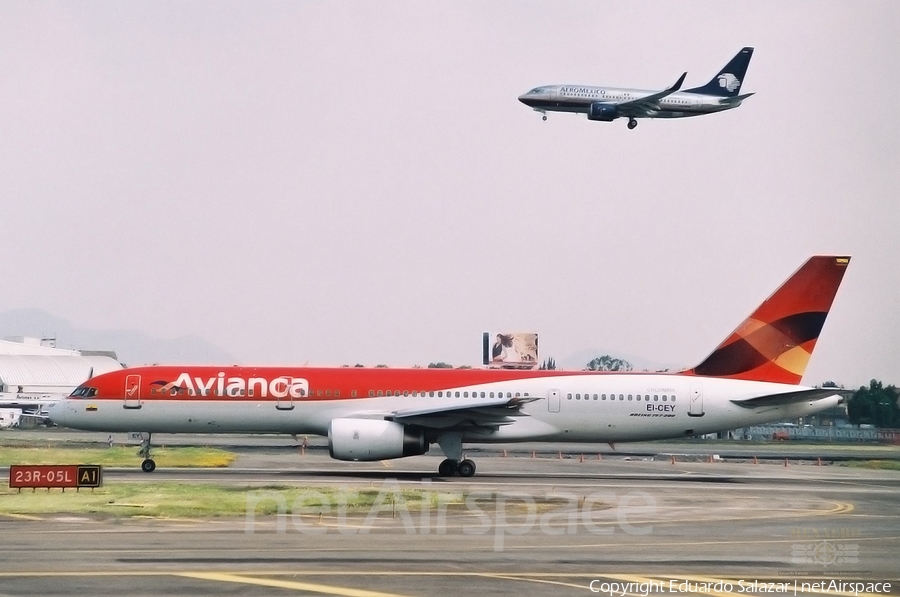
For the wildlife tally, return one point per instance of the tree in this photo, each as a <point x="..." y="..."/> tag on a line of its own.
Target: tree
<point x="608" y="363"/>
<point x="440" y="365"/>
<point x="548" y="364"/>
<point x="875" y="405"/>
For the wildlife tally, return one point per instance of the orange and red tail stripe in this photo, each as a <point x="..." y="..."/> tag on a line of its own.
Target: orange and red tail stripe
<point x="775" y="343"/>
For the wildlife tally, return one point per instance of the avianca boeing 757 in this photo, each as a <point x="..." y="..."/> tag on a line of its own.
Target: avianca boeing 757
<point x="608" y="103"/>
<point x="376" y="414"/>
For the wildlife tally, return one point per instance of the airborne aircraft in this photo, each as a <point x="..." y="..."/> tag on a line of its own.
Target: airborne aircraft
<point x="751" y="378"/>
<point x="606" y="104"/>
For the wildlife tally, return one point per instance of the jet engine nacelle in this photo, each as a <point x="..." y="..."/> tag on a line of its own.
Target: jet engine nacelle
<point x="604" y="112"/>
<point x="371" y="439"/>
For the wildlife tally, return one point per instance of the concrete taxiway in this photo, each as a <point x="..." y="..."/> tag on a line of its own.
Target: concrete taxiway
<point x="530" y="526"/>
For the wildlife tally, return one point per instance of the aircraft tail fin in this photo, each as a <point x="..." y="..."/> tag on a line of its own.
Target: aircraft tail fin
<point x="775" y="343"/>
<point x="728" y="82"/>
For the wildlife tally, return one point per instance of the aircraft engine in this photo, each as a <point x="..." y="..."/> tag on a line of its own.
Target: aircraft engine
<point x="372" y="439"/>
<point x="604" y="112"/>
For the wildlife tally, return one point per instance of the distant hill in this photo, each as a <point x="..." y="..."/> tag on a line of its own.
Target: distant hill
<point x="132" y="347"/>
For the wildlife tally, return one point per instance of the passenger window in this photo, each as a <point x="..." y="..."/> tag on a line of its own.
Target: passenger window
<point x="568" y="396"/>
<point x="595" y="396"/>
<point x="457" y="394"/>
<point x="602" y="396"/>
<point x="629" y="396"/>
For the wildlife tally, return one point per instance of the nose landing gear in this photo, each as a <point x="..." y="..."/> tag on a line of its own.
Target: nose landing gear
<point x="631" y="123"/>
<point x="148" y="465"/>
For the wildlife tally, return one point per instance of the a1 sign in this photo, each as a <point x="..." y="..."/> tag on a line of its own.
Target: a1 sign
<point x="65" y="476"/>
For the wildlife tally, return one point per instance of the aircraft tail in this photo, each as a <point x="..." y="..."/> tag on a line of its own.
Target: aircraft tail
<point x="775" y="343"/>
<point x="728" y="82"/>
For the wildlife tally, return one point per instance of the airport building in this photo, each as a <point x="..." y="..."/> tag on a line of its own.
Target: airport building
<point x="34" y="372"/>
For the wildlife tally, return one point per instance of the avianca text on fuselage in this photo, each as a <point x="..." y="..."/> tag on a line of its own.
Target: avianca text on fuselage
<point x="235" y="387"/>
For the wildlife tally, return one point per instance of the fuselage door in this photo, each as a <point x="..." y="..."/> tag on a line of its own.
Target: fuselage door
<point x="285" y="403"/>
<point x="132" y="391"/>
<point x="696" y="406"/>
<point x="553" y="401"/>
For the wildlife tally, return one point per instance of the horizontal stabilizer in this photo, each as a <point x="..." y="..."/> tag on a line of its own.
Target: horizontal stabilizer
<point x="736" y="99"/>
<point x="791" y="397"/>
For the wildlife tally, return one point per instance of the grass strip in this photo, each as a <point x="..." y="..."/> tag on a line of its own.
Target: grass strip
<point x="886" y="465"/>
<point x="119" y="456"/>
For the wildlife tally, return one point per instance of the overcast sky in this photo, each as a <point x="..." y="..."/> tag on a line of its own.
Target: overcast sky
<point x="342" y="182"/>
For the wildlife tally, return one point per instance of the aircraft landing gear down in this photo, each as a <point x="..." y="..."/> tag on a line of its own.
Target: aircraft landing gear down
<point x="544" y="117"/>
<point x="631" y="123"/>
<point x="148" y="465"/>
<point x="450" y="467"/>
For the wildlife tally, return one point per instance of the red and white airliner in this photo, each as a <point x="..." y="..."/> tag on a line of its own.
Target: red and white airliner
<point x="381" y="413"/>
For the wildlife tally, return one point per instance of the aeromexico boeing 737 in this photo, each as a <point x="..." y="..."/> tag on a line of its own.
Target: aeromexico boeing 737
<point x="608" y="103"/>
<point x="376" y="414"/>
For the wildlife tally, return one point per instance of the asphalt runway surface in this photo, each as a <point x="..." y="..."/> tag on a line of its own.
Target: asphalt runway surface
<point x="625" y="525"/>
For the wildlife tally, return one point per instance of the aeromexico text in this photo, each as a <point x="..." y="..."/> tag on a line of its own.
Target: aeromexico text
<point x="279" y="387"/>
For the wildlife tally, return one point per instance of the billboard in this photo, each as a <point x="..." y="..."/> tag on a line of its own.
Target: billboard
<point x="513" y="350"/>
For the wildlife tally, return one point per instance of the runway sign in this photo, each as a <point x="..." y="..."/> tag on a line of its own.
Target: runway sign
<point x="55" y="475"/>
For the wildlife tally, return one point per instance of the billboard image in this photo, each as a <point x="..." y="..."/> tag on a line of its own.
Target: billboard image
<point x="517" y="350"/>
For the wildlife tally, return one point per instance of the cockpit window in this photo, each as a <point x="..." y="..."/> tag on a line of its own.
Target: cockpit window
<point x="536" y="90"/>
<point x="84" y="392"/>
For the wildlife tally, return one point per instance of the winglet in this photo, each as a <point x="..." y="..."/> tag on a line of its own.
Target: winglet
<point x="677" y="84"/>
<point x="775" y="343"/>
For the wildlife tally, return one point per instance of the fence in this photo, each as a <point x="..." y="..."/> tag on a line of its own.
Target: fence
<point x="889" y="436"/>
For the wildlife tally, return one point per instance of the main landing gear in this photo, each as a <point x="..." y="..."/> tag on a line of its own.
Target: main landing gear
<point x="631" y="123"/>
<point x="454" y="464"/>
<point x="450" y="467"/>
<point x="544" y="118"/>
<point x="148" y="465"/>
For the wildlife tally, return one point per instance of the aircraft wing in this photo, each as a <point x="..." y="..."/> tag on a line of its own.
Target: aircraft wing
<point x="791" y="397"/>
<point x="489" y="413"/>
<point x="649" y="103"/>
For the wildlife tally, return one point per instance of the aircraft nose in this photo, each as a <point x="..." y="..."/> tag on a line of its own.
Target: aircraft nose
<point x="524" y="98"/>
<point x="56" y="413"/>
